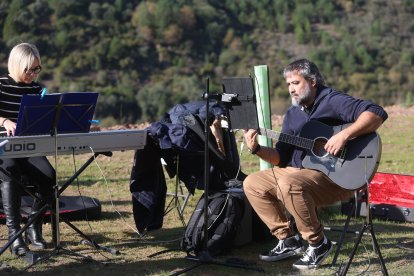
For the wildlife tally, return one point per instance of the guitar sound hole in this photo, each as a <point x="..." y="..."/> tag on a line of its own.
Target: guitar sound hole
<point x="319" y="147"/>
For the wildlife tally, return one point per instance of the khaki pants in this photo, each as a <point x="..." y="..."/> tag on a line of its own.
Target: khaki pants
<point x="299" y="191"/>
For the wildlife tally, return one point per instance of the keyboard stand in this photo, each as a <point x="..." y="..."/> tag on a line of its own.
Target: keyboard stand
<point x="34" y="258"/>
<point x="87" y="240"/>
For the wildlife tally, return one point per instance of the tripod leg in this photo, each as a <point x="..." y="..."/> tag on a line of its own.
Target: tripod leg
<point x="341" y="239"/>
<point x="343" y="272"/>
<point x="53" y="219"/>
<point x="169" y="207"/>
<point x="57" y="251"/>
<point x="187" y="197"/>
<point x="89" y="241"/>
<point x="377" y="250"/>
<point x="180" y="214"/>
<point x="44" y="257"/>
<point x="55" y="208"/>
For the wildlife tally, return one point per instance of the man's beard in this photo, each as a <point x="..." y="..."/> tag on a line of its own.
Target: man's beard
<point x="304" y="98"/>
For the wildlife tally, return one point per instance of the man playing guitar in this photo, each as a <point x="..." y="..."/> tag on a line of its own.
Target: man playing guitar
<point x="295" y="188"/>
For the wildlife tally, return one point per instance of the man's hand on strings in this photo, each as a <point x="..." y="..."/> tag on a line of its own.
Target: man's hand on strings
<point x="335" y="144"/>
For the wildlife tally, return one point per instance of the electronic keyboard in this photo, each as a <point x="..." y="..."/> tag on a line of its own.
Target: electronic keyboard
<point x="72" y="143"/>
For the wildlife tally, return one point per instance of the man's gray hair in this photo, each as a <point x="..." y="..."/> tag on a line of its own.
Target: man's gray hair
<point x="306" y="69"/>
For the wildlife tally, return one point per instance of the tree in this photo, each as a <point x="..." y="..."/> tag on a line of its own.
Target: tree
<point x="154" y="101"/>
<point x="11" y="28"/>
<point x="300" y="34"/>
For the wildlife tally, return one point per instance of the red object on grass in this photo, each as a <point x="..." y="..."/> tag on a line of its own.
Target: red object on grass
<point x="395" y="189"/>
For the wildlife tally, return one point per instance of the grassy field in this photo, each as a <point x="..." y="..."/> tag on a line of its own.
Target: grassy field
<point x="108" y="181"/>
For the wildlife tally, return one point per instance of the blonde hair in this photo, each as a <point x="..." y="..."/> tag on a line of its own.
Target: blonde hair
<point x="21" y="58"/>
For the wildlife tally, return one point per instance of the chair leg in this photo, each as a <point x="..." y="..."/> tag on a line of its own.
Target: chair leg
<point x="187" y="197"/>
<point x="174" y="203"/>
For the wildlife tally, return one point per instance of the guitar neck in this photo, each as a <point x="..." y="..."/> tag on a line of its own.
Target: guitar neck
<point x="287" y="138"/>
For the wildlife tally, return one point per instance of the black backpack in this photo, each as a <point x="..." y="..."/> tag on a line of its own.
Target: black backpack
<point x="225" y="212"/>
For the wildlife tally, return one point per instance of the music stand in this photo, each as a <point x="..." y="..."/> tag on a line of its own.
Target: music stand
<point x="240" y="100"/>
<point x="236" y="97"/>
<point x="55" y="114"/>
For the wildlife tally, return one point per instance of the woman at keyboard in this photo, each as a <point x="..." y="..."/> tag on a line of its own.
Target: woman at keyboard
<point x="24" y="66"/>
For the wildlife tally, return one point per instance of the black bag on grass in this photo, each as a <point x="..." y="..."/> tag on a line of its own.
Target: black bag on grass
<point x="225" y="211"/>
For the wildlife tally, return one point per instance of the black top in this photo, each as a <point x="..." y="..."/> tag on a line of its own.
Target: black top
<point x="11" y="93"/>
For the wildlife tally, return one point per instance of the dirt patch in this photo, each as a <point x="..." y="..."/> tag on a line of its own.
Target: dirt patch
<point x="120" y="127"/>
<point x="397" y="110"/>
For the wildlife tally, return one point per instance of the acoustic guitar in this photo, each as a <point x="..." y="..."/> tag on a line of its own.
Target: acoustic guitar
<point x="351" y="169"/>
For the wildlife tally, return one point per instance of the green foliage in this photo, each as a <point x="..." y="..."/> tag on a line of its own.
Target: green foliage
<point x="154" y="101"/>
<point x="160" y="51"/>
<point x="186" y="88"/>
<point x="300" y="34"/>
<point x="409" y="99"/>
<point x="11" y="26"/>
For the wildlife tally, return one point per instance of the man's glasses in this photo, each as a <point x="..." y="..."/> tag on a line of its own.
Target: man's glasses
<point x="35" y="70"/>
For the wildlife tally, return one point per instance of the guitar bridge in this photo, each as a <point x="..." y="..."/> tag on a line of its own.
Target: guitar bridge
<point x="365" y="156"/>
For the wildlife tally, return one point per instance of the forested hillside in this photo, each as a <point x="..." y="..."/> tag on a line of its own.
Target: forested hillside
<point x="146" y="56"/>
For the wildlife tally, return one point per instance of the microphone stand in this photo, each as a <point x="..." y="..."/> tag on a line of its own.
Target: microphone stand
<point x="204" y="256"/>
